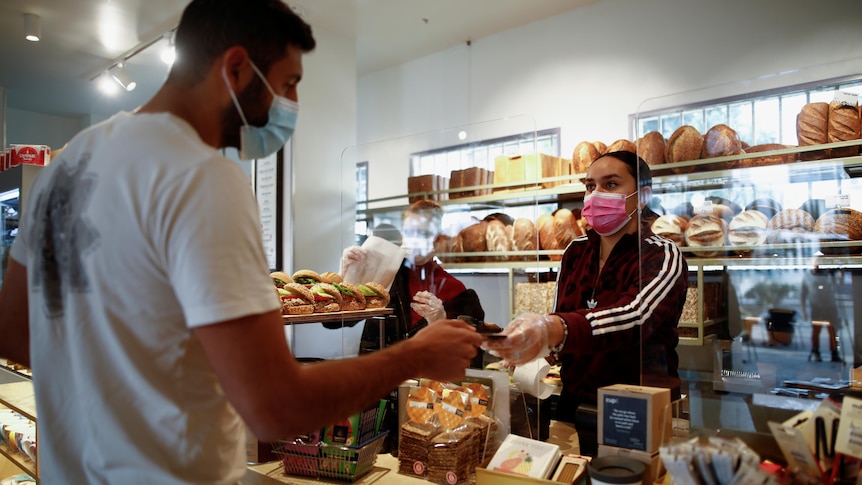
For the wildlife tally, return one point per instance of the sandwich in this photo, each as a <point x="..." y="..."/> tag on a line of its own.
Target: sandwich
<point x="326" y="298"/>
<point x="351" y="296"/>
<point x="296" y="299"/>
<point x="376" y="296"/>
<point x="280" y="278"/>
<point x="330" y="277"/>
<point x="307" y="277"/>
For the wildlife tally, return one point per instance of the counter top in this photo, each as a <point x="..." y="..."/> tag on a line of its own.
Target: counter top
<point x="384" y="472"/>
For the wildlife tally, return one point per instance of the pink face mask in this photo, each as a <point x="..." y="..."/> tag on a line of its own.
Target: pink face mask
<point x="606" y="212"/>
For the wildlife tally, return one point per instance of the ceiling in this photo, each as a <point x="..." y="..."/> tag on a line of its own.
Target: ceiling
<point x="82" y="38"/>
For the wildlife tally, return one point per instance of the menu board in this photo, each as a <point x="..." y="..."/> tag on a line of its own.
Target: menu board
<point x="266" y="190"/>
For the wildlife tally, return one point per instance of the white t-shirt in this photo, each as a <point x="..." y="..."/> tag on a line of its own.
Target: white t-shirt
<point x="136" y="233"/>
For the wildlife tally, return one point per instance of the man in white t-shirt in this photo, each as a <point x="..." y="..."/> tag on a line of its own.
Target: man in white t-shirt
<point x="138" y="289"/>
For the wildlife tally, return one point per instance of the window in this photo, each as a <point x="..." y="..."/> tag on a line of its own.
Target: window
<point x="758" y="118"/>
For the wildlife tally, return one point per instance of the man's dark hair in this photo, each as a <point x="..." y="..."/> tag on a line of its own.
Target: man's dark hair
<point x="637" y="166"/>
<point x="207" y="28"/>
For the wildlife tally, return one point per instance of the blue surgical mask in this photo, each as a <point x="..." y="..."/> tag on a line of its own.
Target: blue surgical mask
<point x="263" y="141"/>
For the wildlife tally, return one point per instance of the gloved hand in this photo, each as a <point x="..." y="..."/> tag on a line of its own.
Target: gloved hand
<point x="527" y="338"/>
<point x="428" y="306"/>
<point x="352" y="255"/>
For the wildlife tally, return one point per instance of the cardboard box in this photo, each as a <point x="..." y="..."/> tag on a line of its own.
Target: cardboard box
<point x="634" y="417"/>
<point x="30" y="155"/>
<point x="527" y="457"/>
<point x="652" y="461"/>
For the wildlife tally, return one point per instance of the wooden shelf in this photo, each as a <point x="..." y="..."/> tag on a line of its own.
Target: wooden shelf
<point x="24" y="463"/>
<point x="347" y="316"/>
<point x="20" y="397"/>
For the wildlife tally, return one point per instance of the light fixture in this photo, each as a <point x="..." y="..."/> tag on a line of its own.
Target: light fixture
<point x="123" y="79"/>
<point x="107" y="85"/>
<point x="32" y="27"/>
<point x="169" y="53"/>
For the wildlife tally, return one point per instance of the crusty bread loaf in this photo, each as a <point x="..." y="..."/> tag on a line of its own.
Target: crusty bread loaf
<point x="843" y="224"/>
<point x="524" y="235"/>
<point x="812" y="128"/>
<point x="584" y="154"/>
<point x="768" y="159"/>
<point x="444" y="244"/>
<point x="472" y="239"/>
<point x="748" y="228"/>
<point x="683" y="145"/>
<point x="706" y="230"/>
<point x="547" y="233"/>
<point x="622" y="145"/>
<point x="565" y="227"/>
<point x="601" y="147"/>
<point x="651" y="147"/>
<point x="790" y="226"/>
<point x="671" y="226"/>
<point x="497" y="239"/>
<point x="720" y="141"/>
<point x="844" y="125"/>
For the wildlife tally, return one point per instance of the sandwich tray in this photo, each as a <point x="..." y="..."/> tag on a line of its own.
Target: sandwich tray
<point x="345" y="316"/>
<point x="343" y="463"/>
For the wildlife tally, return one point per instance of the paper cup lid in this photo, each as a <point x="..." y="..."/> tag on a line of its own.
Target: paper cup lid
<point x="616" y="469"/>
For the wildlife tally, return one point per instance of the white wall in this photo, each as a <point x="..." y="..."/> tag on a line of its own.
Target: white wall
<point x="27" y="127"/>
<point x="587" y="70"/>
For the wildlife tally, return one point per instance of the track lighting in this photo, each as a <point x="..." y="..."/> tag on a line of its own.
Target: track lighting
<point x="32" y="27"/>
<point x="123" y="79"/>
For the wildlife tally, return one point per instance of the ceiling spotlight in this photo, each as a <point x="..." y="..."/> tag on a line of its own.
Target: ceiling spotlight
<point x="123" y="79"/>
<point x="107" y="85"/>
<point x="168" y="55"/>
<point x="32" y="27"/>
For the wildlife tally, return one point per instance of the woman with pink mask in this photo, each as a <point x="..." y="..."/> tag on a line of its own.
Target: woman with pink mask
<point x="619" y="296"/>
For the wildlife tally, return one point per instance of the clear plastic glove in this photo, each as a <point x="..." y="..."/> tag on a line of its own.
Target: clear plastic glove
<point x="428" y="306"/>
<point x="527" y="338"/>
<point x="351" y="256"/>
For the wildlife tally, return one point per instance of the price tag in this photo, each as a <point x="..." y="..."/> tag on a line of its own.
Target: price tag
<point x="841" y="201"/>
<point x="845" y="98"/>
<point x="705" y="209"/>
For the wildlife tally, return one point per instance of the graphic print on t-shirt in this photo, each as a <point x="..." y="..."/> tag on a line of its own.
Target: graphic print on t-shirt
<point x="63" y="235"/>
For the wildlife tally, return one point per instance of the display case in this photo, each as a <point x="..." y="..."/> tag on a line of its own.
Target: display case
<point x="742" y="360"/>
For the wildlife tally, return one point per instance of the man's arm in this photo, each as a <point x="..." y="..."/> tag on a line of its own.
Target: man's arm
<point x="279" y="397"/>
<point x="15" y="315"/>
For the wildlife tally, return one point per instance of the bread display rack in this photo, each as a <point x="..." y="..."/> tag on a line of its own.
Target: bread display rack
<point x="668" y="178"/>
<point x="20" y="397"/>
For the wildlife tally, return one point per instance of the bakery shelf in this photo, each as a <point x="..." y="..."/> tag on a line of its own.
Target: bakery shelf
<point x="24" y="463"/>
<point x="20" y="397"/>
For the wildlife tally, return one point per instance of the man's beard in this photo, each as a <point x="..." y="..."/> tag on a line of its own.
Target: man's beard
<point x="251" y="100"/>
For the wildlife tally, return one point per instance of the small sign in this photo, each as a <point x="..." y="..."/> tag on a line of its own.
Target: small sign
<point x="625" y="422"/>
<point x="840" y="201"/>
<point x="845" y="98"/>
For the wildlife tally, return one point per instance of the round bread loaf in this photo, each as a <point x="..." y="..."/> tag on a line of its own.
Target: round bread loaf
<point x="622" y="145"/>
<point x="839" y="225"/>
<point x="844" y="125"/>
<point x="565" y="227"/>
<point x="684" y="144"/>
<point x="790" y="226"/>
<point x="600" y="146"/>
<point x="671" y="226"/>
<point x="765" y="205"/>
<point x="651" y="147"/>
<point x="547" y="233"/>
<point x="444" y="244"/>
<point x="473" y="240"/>
<point x="584" y="154"/>
<point x="497" y="239"/>
<point x="721" y="141"/>
<point x="768" y="159"/>
<point x="815" y="207"/>
<point x="524" y="236"/>
<point x="706" y="230"/>
<point x="748" y="228"/>
<point x="812" y="128"/>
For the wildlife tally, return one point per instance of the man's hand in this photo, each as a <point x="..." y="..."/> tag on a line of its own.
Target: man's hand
<point x="527" y="338"/>
<point x="444" y="350"/>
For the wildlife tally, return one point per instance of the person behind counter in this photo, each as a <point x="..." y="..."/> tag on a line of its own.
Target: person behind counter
<point x="620" y="293"/>
<point x="422" y="292"/>
<point x="138" y="291"/>
<point x="817" y="300"/>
